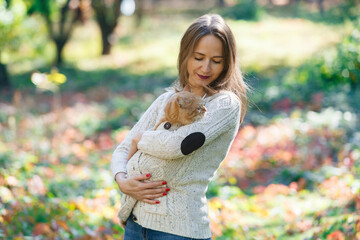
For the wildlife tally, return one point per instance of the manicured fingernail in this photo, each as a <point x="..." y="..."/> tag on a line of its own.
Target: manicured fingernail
<point x="167" y="189"/>
<point x="148" y="175"/>
<point x="157" y="202"/>
<point x="164" y="193"/>
<point x="163" y="183"/>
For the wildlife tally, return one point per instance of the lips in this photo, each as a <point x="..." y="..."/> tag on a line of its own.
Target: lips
<point x="203" y="77"/>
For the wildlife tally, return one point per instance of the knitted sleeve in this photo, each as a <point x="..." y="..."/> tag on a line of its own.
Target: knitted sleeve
<point x="146" y="122"/>
<point x="223" y="114"/>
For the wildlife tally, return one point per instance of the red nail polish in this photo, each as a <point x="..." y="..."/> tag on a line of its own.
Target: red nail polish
<point x="164" y="193"/>
<point x="148" y="175"/>
<point x="157" y="202"/>
<point x="163" y="183"/>
<point x="167" y="189"/>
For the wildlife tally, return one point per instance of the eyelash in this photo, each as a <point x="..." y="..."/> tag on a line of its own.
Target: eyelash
<point x="199" y="59"/>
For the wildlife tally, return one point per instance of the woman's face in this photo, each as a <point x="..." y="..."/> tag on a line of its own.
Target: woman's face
<point x="206" y="62"/>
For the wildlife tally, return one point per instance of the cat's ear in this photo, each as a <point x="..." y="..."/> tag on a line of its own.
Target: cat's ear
<point x="181" y="102"/>
<point x="171" y="109"/>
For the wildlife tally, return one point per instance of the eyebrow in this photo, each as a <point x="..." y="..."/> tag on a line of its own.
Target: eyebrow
<point x="213" y="57"/>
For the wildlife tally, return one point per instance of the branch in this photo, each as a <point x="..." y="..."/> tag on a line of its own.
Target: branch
<point x="46" y="13"/>
<point x="63" y="14"/>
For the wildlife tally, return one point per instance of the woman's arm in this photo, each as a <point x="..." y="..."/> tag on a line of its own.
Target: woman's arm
<point x="223" y="114"/>
<point x="134" y="186"/>
<point x="146" y="122"/>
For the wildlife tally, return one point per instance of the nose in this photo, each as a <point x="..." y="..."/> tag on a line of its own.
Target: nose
<point x="205" y="67"/>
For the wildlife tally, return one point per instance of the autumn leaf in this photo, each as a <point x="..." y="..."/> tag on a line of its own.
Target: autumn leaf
<point x="336" y="235"/>
<point x="105" y="142"/>
<point x="36" y="186"/>
<point x="120" y="135"/>
<point x="63" y="225"/>
<point x="41" y="228"/>
<point x="275" y="189"/>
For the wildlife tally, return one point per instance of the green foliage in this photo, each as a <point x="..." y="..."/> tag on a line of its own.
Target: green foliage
<point x="328" y="79"/>
<point x="244" y="9"/>
<point x="336" y="66"/>
<point x="347" y="10"/>
<point x="11" y="17"/>
<point x="71" y="187"/>
<point x="50" y="8"/>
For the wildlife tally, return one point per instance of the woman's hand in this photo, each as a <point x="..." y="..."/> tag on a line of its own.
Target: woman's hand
<point x="145" y="192"/>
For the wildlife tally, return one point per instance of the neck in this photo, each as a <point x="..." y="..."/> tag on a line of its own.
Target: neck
<point x="198" y="91"/>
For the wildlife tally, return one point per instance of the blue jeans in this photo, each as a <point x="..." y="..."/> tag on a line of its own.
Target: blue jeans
<point x="134" y="231"/>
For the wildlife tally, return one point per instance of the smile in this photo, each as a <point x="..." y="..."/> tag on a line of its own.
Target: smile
<point x="203" y="77"/>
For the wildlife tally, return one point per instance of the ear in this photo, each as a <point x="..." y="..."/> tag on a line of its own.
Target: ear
<point x="180" y="102"/>
<point x="171" y="109"/>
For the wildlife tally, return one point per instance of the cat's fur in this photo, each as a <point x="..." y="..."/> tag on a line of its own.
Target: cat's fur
<point x="183" y="108"/>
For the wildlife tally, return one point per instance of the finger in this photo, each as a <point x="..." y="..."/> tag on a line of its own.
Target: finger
<point x="154" y="196"/>
<point x="151" y="201"/>
<point x="154" y="191"/>
<point x="142" y="177"/>
<point x="154" y="184"/>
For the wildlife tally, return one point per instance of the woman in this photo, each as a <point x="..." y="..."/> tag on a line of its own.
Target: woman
<point x="176" y="206"/>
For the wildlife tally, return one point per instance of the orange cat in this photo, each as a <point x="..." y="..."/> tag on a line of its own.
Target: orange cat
<point x="183" y="108"/>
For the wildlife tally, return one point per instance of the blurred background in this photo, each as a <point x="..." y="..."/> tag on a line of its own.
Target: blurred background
<point x="75" y="75"/>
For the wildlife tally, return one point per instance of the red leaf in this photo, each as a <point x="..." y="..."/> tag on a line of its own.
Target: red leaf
<point x="41" y="228"/>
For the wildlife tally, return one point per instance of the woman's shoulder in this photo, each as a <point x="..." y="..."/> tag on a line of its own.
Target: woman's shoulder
<point x="224" y="99"/>
<point x="165" y="95"/>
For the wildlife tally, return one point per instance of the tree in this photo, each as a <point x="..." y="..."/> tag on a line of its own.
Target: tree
<point x="11" y="16"/>
<point x="60" y="18"/>
<point x="221" y="3"/>
<point x="107" y="13"/>
<point x="139" y="11"/>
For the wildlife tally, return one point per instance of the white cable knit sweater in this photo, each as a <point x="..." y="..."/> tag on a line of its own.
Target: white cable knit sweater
<point x="186" y="158"/>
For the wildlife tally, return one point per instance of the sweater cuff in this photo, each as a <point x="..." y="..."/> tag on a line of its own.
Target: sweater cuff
<point x="116" y="167"/>
<point x="117" y="173"/>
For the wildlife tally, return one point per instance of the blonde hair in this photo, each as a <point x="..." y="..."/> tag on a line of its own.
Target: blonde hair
<point x="231" y="78"/>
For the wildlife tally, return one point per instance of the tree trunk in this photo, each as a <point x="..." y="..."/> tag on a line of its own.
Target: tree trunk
<point x="60" y="44"/>
<point x="139" y="12"/>
<point x="4" y="78"/>
<point x="320" y="4"/>
<point x="61" y="34"/>
<point x="106" y="17"/>
<point x="105" y="42"/>
<point x="221" y="3"/>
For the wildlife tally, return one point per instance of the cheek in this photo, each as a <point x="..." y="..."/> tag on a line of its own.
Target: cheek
<point x="218" y="69"/>
<point x="193" y="65"/>
<point x="189" y="65"/>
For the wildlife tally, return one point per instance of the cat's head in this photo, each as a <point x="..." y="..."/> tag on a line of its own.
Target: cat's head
<point x="185" y="107"/>
<point x="191" y="105"/>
